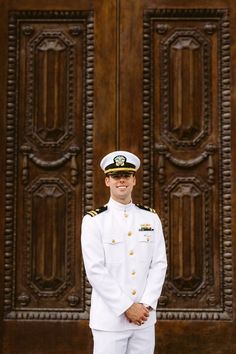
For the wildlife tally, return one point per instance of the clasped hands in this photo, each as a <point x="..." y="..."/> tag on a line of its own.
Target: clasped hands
<point x="137" y="313"/>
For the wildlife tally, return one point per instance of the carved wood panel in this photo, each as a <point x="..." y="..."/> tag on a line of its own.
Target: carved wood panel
<point x="187" y="140"/>
<point x="49" y="141"/>
<point x="88" y="69"/>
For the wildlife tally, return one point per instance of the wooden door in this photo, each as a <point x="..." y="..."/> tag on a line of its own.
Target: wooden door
<point x="180" y="95"/>
<point x="79" y="79"/>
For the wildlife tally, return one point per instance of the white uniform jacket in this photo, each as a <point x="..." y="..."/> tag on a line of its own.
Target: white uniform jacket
<point x="125" y="261"/>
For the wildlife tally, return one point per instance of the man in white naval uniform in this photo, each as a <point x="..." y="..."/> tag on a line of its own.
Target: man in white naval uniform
<point x="125" y="261"/>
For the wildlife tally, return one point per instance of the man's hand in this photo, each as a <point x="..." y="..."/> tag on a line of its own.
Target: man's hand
<point x="137" y="313"/>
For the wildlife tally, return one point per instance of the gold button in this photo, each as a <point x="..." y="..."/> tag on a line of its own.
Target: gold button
<point x="133" y="272"/>
<point x="125" y="215"/>
<point x="133" y="292"/>
<point x="129" y="233"/>
<point x="113" y="241"/>
<point x="131" y="253"/>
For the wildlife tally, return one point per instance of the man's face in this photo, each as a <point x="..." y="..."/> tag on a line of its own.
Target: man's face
<point x="121" y="186"/>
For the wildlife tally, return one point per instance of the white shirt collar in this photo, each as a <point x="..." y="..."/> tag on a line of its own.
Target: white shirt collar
<point x="119" y="206"/>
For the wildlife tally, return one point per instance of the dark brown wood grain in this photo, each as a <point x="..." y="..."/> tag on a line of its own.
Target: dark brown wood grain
<point x="79" y="79"/>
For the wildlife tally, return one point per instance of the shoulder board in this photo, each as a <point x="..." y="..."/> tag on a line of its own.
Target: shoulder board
<point x="97" y="211"/>
<point x="144" y="207"/>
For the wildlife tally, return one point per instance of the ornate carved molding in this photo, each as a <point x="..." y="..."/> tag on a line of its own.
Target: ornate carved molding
<point x="188" y="278"/>
<point x="70" y="155"/>
<point x="80" y="23"/>
<point x="23" y="299"/>
<point x="185" y="131"/>
<point x="73" y="300"/>
<point x="47" y="51"/>
<point x="163" y="151"/>
<point x="216" y="306"/>
<point x="210" y="28"/>
<point x="52" y="276"/>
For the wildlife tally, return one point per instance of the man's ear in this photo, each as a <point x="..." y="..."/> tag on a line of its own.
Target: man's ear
<point x="107" y="181"/>
<point x="134" y="180"/>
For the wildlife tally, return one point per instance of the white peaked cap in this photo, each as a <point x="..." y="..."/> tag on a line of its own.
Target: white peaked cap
<point x="120" y="161"/>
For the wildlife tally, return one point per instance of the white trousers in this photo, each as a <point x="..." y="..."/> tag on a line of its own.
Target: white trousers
<point x="139" y="341"/>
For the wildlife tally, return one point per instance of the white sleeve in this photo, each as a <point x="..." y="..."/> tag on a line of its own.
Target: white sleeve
<point x="98" y="275"/>
<point x="157" y="269"/>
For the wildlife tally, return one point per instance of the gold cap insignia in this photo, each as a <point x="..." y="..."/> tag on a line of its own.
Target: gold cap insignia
<point x="120" y="160"/>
